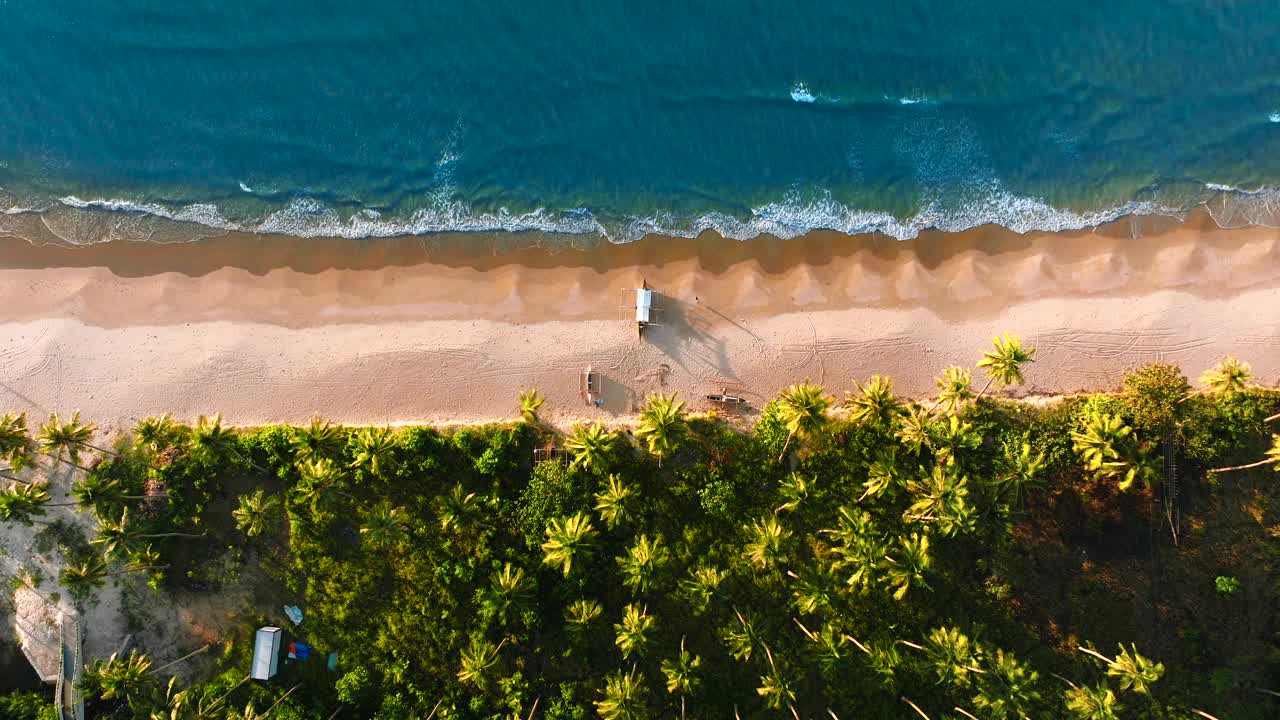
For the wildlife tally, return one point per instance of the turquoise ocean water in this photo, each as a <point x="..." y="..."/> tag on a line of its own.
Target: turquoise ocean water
<point x="162" y="120"/>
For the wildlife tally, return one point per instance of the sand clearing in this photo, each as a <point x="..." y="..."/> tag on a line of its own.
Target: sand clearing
<point x="269" y="329"/>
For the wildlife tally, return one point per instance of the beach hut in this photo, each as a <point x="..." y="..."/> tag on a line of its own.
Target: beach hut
<point x="266" y="653"/>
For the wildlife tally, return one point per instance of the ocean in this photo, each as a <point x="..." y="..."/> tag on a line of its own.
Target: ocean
<point x="169" y="121"/>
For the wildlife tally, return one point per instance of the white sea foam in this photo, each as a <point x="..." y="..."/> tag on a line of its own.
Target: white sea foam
<point x="245" y="187"/>
<point x="911" y="100"/>
<point x="800" y="93"/>
<point x="1274" y="117"/>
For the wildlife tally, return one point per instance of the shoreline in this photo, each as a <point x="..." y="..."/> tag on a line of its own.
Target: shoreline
<point x="434" y="329"/>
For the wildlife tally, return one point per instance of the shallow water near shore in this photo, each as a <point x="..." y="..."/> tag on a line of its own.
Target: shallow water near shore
<point x="149" y="120"/>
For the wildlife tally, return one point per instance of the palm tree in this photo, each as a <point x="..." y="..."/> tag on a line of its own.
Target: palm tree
<point x="318" y="440"/>
<point x="952" y="656"/>
<point x="384" y="527"/>
<point x="58" y="438"/>
<point x="875" y="403"/>
<point x="914" y="428"/>
<point x="509" y="587"/>
<point x="1133" y="671"/>
<point x="477" y="660"/>
<point x="590" y="445"/>
<point x="118" y="678"/>
<point x="661" y="425"/>
<point x="530" y="403"/>
<point x="1227" y="377"/>
<point x="255" y="512"/>
<point x="81" y="578"/>
<point x="829" y="644"/>
<point x="953" y="435"/>
<point x="23" y="503"/>
<point x="16" y="446"/>
<point x="320" y="484"/>
<point x="101" y="493"/>
<point x="764" y="549"/>
<point x="1272" y="458"/>
<point x="642" y="560"/>
<point x="802" y="409"/>
<point x="955" y="388"/>
<point x="794" y="490"/>
<point x="567" y="539"/>
<point x="156" y="433"/>
<point x="623" y="697"/>
<point x="211" y="439"/>
<point x="1007" y="688"/>
<point x="682" y="674"/>
<point x="1102" y="441"/>
<point x="582" y="613"/>
<point x="1022" y="471"/>
<point x="701" y="586"/>
<point x="883" y="474"/>
<point x="740" y="640"/>
<point x="633" y="631"/>
<point x="373" y="450"/>
<point x="1093" y="703"/>
<point x="122" y="537"/>
<point x="909" y="568"/>
<point x="776" y="688"/>
<point x="612" y="503"/>
<point x="458" y="510"/>
<point x="1003" y="364"/>
<point x="941" y="499"/>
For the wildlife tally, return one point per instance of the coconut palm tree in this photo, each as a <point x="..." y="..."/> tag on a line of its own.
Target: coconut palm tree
<point x="121" y="537"/>
<point x="1272" y="458"/>
<point x="1022" y="470"/>
<point x="858" y="548"/>
<point x="318" y="440"/>
<point x="909" y="568"/>
<point x="568" y="539"/>
<point x="829" y="645"/>
<point x="1103" y="440"/>
<point x="633" y="631"/>
<point x="582" y="613"/>
<point x="320" y="485"/>
<point x="613" y="503"/>
<point x="776" y="687"/>
<point x="459" y="510"/>
<point x="23" y="503"/>
<point x="255" y="512"/>
<point x="642" y="560"/>
<point x="1093" y="703"/>
<point x="883" y="475"/>
<point x="1003" y="364"/>
<point x="590" y="445"/>
<point x="802" y="409"/>
<point x="530" y="403"/>
<point x="742" y="639"/>
<point x="701" y="586"/>
<point x="16" y="446"/>
<point x="385" y="526"/>
<point x="509" y="588"/>
<point x="156" y="433"/>
<point x="661" y="425"/>
<point x="373" y="450"/>
<point x="942" y="500"/>
<point x="874" y="403"/>
<point x="81" y="578"/>
<point x="58" y="439"/>
<point x="955" y="388"/>
<point x="1007" y="688"/>
<point x="954" y="435"/>
<point x="477" y="660"/>
<point x="1227" y="377"/>
<point x="1133" y="671"/>
<point x="118" y="678"/>
<point x="210" y="439"/>
<point x="914" y="428"/>
<point x="623" y="697"/>
<point x="951" y="655"/>
<point x="103" y="494"/>
<point x="682" y="674"/>
<point x="794" y="490"/>
<point x="764" y="546"/>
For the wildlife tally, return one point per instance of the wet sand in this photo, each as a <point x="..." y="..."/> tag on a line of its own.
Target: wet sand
<point x="450" y="329"/>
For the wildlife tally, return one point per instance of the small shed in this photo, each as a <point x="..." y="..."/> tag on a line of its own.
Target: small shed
<point x="266" y="653"/>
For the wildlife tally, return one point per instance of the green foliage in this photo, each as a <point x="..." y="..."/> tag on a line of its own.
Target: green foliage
<point x="553" y="491"/>
<point x="27" y="706"/>
<point x="1226" y="585"/>
<point x="1154" y="396"/>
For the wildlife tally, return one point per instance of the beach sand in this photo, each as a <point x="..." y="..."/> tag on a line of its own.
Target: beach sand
<point x="450" y="329"/>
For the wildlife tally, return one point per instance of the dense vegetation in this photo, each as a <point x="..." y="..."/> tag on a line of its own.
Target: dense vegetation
<point x="965" y="557"/>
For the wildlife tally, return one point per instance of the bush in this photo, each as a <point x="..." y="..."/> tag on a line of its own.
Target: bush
<point x="1226" y="585"/>
<point x="1152" y="396"/>
<point x="553" y="491"/>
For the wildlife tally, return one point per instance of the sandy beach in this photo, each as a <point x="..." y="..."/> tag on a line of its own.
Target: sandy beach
<point x="271" y="328"/>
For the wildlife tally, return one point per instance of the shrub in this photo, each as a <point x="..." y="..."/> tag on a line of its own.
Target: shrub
<point x="1152" y="396"/>
<point x="1226" y="585"/>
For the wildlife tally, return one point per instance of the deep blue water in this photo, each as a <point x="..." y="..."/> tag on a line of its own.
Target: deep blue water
<point x="616" y="118"/>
